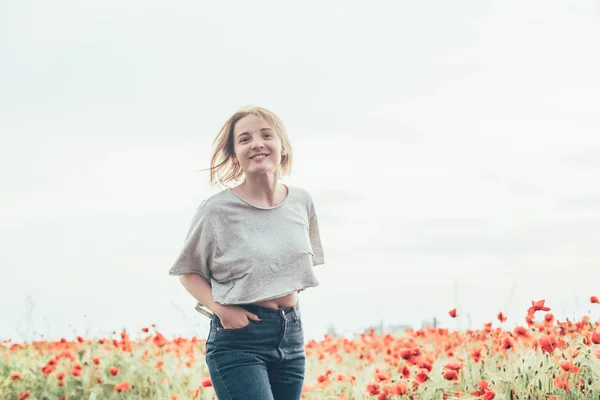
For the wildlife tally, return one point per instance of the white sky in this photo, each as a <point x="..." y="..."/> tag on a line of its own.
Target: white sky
<point x="452" y="150"/>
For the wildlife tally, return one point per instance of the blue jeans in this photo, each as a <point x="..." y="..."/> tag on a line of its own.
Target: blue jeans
<point x="263" y="360"/>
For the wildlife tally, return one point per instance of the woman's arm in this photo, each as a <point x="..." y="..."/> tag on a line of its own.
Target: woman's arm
<point x="231" y="316"/>
<point x="199" y="288"/>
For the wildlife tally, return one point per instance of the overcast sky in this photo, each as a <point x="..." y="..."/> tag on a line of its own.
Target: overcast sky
<point x="452" y="150"/>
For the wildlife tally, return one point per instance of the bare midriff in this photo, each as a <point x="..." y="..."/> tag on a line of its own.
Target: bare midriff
<point x="289" y="300"/>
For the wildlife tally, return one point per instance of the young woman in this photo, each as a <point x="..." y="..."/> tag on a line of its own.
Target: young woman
<point x="249" y="251"/>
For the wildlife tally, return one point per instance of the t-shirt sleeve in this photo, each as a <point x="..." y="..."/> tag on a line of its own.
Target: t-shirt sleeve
<point x="315" y="237"/>
<point x="194" y="257"/>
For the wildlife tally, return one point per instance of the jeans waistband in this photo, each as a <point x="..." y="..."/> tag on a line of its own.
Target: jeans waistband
<point x="266" y="312"/>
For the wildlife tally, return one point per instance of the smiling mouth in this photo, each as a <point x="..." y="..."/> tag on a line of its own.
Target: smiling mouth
<point x="259" y="157"/>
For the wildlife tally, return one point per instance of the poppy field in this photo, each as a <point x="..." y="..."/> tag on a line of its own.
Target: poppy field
<point x="542" y="358"/>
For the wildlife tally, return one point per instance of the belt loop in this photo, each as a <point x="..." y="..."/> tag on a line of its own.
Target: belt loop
<point x="256" y="310"/>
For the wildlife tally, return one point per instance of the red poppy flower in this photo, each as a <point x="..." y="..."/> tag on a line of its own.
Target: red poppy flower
<point x="521" y="331"/>
<point x="562" y="382"/>
<point x="508" y="342"/>
<point x="481" y="389"/>
<point x="15" y="376"/>
<point x="568" y="366"/>
<point x="122" y="387"/>
<point x="539" y="305"/>
<point x="421" y="376"/>
<point x="489" y="395"/>
<point x="401" y="388"/>
<point x="405" y="371"/>
<point x="548" y="343"/>
<point x="454" y="365"/>
<point x="206" y="382"/>
<point x="24" y="395"/>
<point x="476" y="355"/>
<point x="451" y="375"/>
<point x="373" y="389"/>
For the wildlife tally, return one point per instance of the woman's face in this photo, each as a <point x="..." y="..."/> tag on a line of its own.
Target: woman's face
<point x="256" y="145"/>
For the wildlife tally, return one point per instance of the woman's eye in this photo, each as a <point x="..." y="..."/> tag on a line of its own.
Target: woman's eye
<point x="268" y="135"/>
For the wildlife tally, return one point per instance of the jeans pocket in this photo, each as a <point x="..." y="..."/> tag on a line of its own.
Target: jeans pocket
<point x="220" y="328"/>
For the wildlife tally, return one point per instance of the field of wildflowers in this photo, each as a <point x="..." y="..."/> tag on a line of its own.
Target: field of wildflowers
<point x="541" y="359"/>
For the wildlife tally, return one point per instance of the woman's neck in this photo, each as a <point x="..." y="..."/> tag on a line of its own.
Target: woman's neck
<point x="262" y="191"/>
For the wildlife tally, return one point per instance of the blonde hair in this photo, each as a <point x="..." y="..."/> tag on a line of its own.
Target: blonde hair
<point x="222" y="168"/>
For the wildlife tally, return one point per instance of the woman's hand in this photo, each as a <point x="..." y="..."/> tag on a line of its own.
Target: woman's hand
<point x="234" y="317"/>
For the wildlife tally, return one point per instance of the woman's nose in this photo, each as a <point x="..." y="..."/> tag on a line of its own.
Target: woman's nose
<point x="257" y="143"/>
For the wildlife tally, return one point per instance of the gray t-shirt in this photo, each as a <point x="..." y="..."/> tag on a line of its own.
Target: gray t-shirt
<point x="249" y="253"/>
